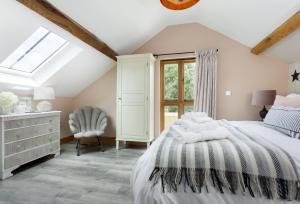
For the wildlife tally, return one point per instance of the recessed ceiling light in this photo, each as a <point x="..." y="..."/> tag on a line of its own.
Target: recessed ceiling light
<point x="178" y="4"/>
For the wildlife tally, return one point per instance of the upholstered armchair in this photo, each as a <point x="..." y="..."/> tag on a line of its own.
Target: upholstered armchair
<point x="87" y="122"/>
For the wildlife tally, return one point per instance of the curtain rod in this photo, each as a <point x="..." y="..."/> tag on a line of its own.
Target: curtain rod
<point x="175" y="53"/>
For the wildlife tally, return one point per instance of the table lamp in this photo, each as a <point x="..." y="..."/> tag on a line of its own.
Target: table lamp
<point x="44" y="94"/>
<point x="263" y="98"/>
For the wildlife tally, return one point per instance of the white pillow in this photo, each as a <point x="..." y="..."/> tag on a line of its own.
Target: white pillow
<point x="288" y="101"/>
<point x="292" y="95"/>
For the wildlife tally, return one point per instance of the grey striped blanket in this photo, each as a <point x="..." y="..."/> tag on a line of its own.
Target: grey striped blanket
<point x="242" y="163"/>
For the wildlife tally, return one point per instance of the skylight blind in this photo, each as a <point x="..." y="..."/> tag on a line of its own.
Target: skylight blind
<point x="34" y="51"/>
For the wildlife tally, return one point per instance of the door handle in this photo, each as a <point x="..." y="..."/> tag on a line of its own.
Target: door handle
<point x="119" y="98"/>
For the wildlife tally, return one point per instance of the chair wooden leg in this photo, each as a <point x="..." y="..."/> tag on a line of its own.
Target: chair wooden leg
<point x="78" y="147"/>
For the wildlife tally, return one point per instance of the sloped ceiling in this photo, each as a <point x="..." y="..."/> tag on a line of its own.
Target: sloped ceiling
<point x="287" y="49"/>
<point x="126" y="25"/>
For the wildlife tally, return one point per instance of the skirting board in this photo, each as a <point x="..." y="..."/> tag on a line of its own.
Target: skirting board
<point x="66" y="139"/>
<point x="105" y="139"/>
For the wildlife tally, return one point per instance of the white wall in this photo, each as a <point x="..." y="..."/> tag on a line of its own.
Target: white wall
<point x="294" y="87"/>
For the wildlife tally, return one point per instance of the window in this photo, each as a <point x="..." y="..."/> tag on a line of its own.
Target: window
<point x="34" y="51"/>
<point x="176" y="88"/>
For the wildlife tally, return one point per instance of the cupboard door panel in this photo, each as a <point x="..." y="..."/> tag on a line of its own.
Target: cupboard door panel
<point x="133" y="122"/>
<point x="133" y="76"/>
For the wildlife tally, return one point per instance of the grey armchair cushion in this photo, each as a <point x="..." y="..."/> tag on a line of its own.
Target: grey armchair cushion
<point x="87" y="122"/>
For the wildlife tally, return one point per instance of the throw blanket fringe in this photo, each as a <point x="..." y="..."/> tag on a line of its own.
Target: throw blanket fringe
<point x="198" y="180"/>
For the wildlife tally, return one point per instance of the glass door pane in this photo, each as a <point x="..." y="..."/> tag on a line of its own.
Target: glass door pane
<point x="170" y="115"/>
<point x="188" y="108"/>
<point x="171" y="81"/>
<point x="189" y="81"/>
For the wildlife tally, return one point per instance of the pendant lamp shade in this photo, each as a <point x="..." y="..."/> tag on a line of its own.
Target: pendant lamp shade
<point x="178" y="4"/>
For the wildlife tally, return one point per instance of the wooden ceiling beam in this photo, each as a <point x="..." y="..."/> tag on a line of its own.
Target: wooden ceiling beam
<point x="50" y="12"/>
<point x="288" y="27"/>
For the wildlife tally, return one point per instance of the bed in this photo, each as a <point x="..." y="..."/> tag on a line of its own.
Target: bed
<point x="146" y="193"/>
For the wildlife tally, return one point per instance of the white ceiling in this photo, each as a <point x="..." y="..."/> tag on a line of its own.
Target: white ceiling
<point x="127" y="25"/>
<point x="247" y="21"/>
<point x="79" y="73"/>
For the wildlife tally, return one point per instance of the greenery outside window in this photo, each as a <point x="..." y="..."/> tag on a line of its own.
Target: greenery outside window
<point x="176" y="88"/>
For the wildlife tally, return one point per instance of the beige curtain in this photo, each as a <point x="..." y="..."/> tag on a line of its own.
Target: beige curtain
<point x="206" y="82"/>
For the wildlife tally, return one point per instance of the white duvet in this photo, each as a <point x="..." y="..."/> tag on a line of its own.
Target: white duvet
<point x="145" y="193"/>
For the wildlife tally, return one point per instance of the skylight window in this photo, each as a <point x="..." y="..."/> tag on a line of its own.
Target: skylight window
<point x="34" y="51"/>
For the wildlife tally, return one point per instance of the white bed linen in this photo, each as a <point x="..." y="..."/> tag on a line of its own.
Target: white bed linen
<point x="145" y="193"/>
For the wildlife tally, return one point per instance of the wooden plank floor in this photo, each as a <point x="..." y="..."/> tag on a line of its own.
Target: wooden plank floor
<point x="93" y="178"/>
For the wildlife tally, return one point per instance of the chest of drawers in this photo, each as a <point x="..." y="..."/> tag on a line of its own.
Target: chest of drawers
<point x="27" y="137"/>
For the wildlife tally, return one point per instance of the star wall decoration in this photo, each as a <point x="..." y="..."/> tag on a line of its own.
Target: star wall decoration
<point x="295" y="76"/>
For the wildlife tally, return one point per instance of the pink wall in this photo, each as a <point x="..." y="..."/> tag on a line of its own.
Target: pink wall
<point x="102" y="94"/>
<point x="238" y="71"/>
<point x="66" y="106"/>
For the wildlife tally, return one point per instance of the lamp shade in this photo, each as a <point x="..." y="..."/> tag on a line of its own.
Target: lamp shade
<point x="263" y="97"/>
<point x="178" y="4"/>
<point x="44" y="93"/>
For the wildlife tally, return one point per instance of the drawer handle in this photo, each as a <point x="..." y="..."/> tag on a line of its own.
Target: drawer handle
<point x="50" y="121"/>
<point x="18" y="146"/>
<point x="18" y="136"/>
<point x="50" y="130"/>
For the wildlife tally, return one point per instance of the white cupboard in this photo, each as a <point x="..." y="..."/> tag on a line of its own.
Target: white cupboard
<point x="135" y="98"/>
